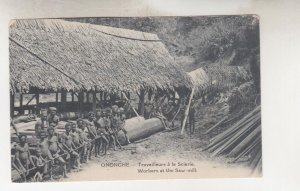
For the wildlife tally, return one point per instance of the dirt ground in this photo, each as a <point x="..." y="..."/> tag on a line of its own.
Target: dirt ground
<point x="166" y="147"/>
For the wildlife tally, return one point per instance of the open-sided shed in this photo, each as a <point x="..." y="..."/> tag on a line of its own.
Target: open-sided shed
<point x="51" y="55"/>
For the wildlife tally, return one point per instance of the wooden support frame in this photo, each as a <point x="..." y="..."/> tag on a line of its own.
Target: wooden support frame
<point x="94" y="101"/>
<point x="21" y="103"/>
<point x="12" y="104"/>
<point x="56" y="96"/>
<point x="34" y="96"/>
<point x="142" y="102"/>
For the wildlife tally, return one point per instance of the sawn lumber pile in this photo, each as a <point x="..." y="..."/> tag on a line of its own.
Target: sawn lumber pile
<point x="242" y="140"/>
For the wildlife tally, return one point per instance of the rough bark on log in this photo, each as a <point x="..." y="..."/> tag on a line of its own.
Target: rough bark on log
<point x="140" y="130"/>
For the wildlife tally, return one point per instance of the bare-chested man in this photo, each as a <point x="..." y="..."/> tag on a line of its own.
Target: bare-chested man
<point x="102" y="133"/>
<point x="41" y="165"/>
<point x="43" y="146"/>
<point x="67" y="143"/>
<point x="55" y="150"/>
<point x="23" y="156"/>
<point x="83" y="136"/>
<point x="42" y="124"/>
<point x="92" y="132"/>
<point x="52" y="118"/>
<point x="108" y="127"/>
<point x="122" y="123"/>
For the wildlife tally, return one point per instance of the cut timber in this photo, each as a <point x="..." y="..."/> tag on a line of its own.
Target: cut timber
<point x="216" y="125"/>
<point x="243" y="139"/>
<point x="141" y="129"/>
<point x="243" y="144"/>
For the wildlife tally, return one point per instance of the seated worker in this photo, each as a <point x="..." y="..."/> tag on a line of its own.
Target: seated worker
<point x="52" y="117"/>
<point x="55" y="150"/>
<point x="23" y="156"/>
<point x="67" y="142"/>
<point x="83" y="136"/>
<point x="41" y="124"/>
<point x="102" y="133"/>
<point x="41" y="165"/>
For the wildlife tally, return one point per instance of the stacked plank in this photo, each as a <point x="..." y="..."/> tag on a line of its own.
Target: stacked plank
<point x="242" y="140"/>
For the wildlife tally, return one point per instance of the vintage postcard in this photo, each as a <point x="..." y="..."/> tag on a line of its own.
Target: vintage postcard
<point x="135" y="98"/>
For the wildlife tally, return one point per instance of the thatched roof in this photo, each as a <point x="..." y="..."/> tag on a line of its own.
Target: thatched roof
<point x="229" y="76"/>
<point x="218" y="76"/>
<point x="199" y="78"/>
<point x="53" y="54"/>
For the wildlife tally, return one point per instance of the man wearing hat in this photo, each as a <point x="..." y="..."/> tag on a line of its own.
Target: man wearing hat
<point x="41" y="124"/>
<point x="52" y="118"/>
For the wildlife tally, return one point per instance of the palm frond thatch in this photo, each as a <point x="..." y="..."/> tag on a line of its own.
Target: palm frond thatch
<point x="229" y="76"/>
<point x="54" y="54"/>
<point x="199" y="78"/>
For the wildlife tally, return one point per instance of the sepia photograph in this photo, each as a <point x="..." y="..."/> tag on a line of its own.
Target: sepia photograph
<point x="135" y="98"/>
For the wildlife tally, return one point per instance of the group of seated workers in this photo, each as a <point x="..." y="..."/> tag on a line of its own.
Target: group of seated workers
<point x="79" y="141"/>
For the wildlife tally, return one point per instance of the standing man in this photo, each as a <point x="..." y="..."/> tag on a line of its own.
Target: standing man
<point x="43" y="146"/>
<point x="55" y="150"/>
<point x="52" y="118"/>
<point x="42" y="124"/>
<point x="108" y="127"/>
<point x="92" y="132"/>
<point x="67" y="143"/>
<point x="83" y="135"/>
<point x="23" y="156"/>
<point x="101" y="131"/>
<point x="192" y="117"/>
<point x="122" y="124"/>
<point x="116" y="125"/>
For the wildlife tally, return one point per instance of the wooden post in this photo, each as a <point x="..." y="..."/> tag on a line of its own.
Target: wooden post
<point x="80" y="100"/>
<point x="21" y="104"/>
<point x="12" y="104"/>
<point x="94" y="102"/>
<point x="37" y="97"/>
<point x="63" y="96"/>
<point x="187" y="111"/>
<point x="87" y="97"/>
<point x="142" y="102"/>
<point x="101" y="97"/>
<point x="56" y="98"/>
<point x="63" y="99"/>
<point x="72" y="96"/>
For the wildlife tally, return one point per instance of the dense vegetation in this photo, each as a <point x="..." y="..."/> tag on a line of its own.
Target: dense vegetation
<point x="202" y="40"/>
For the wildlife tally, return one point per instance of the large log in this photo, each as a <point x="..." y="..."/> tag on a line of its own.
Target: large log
<point x="140" y="128"/>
